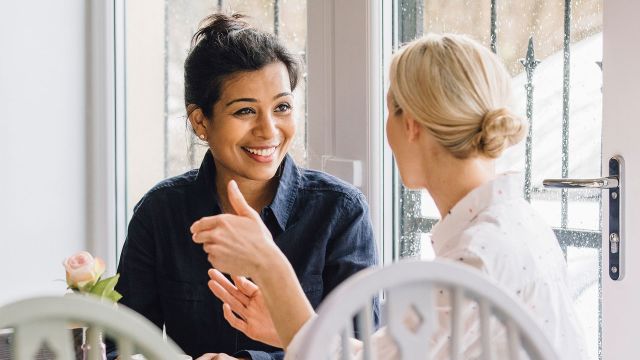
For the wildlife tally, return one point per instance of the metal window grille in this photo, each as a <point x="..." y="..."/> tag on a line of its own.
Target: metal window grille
<point x="408" y="223"/>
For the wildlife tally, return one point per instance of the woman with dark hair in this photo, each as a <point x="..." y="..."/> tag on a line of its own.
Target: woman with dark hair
<point x="239" y="85"/>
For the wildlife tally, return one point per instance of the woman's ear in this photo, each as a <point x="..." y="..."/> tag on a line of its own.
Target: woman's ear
<point x="411" y="126"/>
<point x="198" y="121"/>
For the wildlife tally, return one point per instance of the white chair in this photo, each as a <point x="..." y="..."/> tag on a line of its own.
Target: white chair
<point x="410" y="285"/>
<point x="47" y="320"/>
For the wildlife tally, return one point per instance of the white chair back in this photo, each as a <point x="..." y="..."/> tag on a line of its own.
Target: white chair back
<point x="47" y="320"/>
<point x="411" y="286"/>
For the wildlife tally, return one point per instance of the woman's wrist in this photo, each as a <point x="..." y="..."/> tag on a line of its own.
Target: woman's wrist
<point x="283" y="295"/>
<point x="270" y="263"/>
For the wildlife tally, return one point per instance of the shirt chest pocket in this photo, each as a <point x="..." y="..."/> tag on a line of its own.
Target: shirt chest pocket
<point x="183" y="291"/>
<point x="183" y="302"/>
<point x="187" y="306"/>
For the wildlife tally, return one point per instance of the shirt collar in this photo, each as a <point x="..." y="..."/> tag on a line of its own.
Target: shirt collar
<point x="504" y="187"/>
<point x="206" y="181"/>
<point x="283" y="201"/>
<point x="282" y="204"/>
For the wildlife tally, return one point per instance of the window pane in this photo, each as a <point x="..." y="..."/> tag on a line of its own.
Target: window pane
<point x="572" y="150"/>
<point x="160" y="142"/>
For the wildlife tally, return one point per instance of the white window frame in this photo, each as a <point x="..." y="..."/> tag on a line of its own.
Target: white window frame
<point x="106" y="217"/>
<point x="345" y="101"/>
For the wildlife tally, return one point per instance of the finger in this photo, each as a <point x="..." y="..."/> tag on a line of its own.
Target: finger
<point x="217" y="276"/>
<point x="202" y="237"/>
<point x="222" y="294"/>
<point x="212" y="259"/>
<point x="244" y="285"/>
<point x="223" y="356"/>
<point x="208" y="237"/>
<point x="207" y="223"/>
<point x="209" y="247"/>
<point x="207" y="356"/>
<point x="238" y="202"/>
<point x="233" y="320"/>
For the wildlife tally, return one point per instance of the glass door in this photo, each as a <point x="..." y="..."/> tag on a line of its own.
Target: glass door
<point x="553" y="49"/>
<point x="620" y="299"/>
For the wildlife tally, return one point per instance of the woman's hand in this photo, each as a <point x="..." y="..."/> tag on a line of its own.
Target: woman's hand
<point x="242" y="245"/>
<point x="237" y="244"/>
<point x="212" y="356"/>
<point x="244" y="299"/>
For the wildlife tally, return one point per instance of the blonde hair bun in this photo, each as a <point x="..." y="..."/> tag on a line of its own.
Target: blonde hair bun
<point x="459" y="91"/>
<point x="500" y="129"/>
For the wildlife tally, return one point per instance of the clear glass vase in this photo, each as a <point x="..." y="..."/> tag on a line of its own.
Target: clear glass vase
<point x="84" y="351"/>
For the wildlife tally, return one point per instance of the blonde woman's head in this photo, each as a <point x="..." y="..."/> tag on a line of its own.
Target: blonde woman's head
<point x="459" y="92"/>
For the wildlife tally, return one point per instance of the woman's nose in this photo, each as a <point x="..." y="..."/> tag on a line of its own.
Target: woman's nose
<point x="266" y="126"/>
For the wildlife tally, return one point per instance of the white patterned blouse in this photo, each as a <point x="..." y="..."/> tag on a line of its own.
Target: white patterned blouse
<point x="494" y="230"/>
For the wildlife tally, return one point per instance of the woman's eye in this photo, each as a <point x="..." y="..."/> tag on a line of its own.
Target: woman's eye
<point x="283" y="107"/>
<point x="244" y="111"/>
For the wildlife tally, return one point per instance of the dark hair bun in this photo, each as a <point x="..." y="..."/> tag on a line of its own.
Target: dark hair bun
<point x="219" y="24"/>
<point x="225" y="45"/>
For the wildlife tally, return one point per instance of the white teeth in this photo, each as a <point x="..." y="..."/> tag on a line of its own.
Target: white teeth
<point x="262" y="152"/>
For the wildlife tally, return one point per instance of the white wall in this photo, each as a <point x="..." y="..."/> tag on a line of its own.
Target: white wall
<point x="43" y="82"/>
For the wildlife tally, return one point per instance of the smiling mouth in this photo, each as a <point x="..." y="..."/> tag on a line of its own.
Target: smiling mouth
<point x="262" y="151"/>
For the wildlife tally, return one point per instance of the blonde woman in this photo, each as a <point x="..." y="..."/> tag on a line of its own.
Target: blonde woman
<point x="449" y="120"/>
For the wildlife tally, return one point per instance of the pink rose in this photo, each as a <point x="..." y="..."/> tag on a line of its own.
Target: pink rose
<point x="83" y="271"/>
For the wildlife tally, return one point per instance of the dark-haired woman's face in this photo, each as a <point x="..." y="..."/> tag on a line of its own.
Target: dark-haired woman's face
<point x="252" y="124"/>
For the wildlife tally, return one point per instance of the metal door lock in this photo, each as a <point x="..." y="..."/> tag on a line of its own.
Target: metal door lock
<point x="614" y="241"/>
<point x="614" y="183"/>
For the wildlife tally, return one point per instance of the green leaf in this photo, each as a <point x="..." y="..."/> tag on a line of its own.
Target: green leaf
<point x="105" y="287"/>
<point x="114" y="296"/>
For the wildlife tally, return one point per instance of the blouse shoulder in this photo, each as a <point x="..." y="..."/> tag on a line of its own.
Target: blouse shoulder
<point x="513" y="242"/>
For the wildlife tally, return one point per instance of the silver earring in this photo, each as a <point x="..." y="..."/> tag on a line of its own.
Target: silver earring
<point x="202" y="136"/>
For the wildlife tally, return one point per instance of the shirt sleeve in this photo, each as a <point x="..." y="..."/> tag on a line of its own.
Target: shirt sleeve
<point x="259" y="355"/>
<point x="352" y="248"/>
<point x="137" y="282"/>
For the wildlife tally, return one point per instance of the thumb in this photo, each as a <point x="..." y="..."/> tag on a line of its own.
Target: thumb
<point x="238" y="202"/>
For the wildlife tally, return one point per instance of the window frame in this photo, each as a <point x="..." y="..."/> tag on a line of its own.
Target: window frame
<point x="106" y="137"/>
<point x="345" y="100"/>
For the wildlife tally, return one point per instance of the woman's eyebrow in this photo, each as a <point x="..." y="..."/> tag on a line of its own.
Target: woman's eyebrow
<point x="241" y="99"/>
<point x="286" y="93"/>
<point x="255" y="100"/>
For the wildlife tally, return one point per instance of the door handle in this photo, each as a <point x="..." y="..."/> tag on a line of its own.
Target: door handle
<point x="614" y="184"/>
<point x="610" y="182"/>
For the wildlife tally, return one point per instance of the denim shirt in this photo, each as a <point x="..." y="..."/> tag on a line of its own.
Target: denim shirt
<point x="320" y="223"/>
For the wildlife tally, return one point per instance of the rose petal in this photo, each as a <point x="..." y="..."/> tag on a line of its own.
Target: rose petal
<point x="82" y="270"/>
<point x="99" y="267"/>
